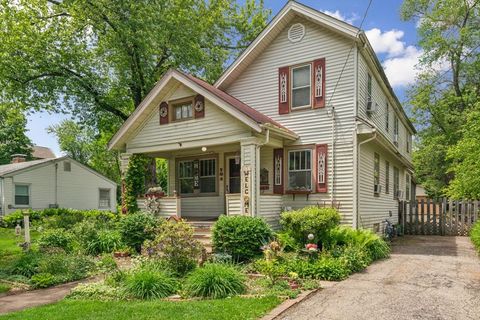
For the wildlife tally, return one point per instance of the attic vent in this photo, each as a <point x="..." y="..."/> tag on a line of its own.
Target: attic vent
<point x="296" y="32"/>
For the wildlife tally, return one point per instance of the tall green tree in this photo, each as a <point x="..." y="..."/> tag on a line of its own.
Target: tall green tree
<point x="98" y="59"/>
<point x="448" y="86"/>
<point x="12" y="133"/>
<point x="87" y="146"/>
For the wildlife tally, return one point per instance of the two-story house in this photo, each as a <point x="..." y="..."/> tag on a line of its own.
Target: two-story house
<point x="304" y="116"/>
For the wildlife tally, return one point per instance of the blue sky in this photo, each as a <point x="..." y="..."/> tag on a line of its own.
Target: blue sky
<point x="393" y="40"/>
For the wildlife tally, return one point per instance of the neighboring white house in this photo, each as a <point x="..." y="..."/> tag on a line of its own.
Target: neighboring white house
<point x="305" y="116"/>
<point x="54" y="182"/>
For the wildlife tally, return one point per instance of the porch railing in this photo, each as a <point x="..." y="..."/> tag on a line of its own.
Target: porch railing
<point x="169" y="206"/>
<point x="233" y="205"/>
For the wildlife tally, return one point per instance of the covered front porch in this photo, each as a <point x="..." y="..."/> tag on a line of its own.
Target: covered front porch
<point x="234" y="178"/>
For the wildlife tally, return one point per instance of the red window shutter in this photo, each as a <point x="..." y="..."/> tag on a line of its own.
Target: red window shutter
<point x="163" y="111"/>
<point x="321" y="179"/>
<point x="199" y="106"/>
<point x="318" y="91"/>
<point x="278" y="171"/>
<point x="283" y="90"/>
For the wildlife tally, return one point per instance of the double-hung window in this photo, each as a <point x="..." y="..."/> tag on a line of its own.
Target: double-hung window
<point x="301" y="86"/>
<point x="376" y="172"/>
<point x="387" y="177"/>
<point x="396" y="182"/>
<point x="369" y="88"/>
<point x="22" y="195"/>
<point x="387" y="118"/>
<point x="104" y="198"/>
<point x="183" y="111"/>
<point x="300" y="170"/>
<point x="407" y="187"/>
<point x="197" y="176"/>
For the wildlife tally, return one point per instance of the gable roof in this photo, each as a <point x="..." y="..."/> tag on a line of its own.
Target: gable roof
<point x="236" y="108"/>
<point x="294" y="9"/>
<point x="11" y="169"/>
<point x="40" y="152"/>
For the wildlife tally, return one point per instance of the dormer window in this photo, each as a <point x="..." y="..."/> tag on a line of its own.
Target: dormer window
<point x="183" y="111"/>
<point x="301" y="86"/>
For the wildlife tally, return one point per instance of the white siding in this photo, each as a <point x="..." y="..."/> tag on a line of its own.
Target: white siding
<point x="379" y="117"/>
<point x="78" y="189"/>
<point x="372" y="208"/>
<point x="216" y="124"/>
<point x="270" y="209"/>
<point x="203" y="206"/>
<point x="233" y="204"/>
<point x="258" y="87"/>
<point x="168" y="206"/>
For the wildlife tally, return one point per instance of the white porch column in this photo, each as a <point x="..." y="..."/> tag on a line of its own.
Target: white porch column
<point x="250" y="176"/>
<point x="124" y="159"/>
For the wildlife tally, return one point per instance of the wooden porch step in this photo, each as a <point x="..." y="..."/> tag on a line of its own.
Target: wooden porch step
<point x="203" y="233"/>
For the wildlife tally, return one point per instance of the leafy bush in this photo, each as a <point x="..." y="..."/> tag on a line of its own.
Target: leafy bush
<point x="150" y="284"/>
<point x="318" y="221"/>
<point x="355" y="258"/>
<point x="43" y="280"/>
<point x="58" y="217"/>
<point x="26" y="264"/>
<point x="272" y="269"/>
<point x="375" y="246"/>
<point x="4" y="287"/>
<point x="56" y="238"/>
<point x="106" y="241"/>
<point x="135" y="228"/>
<point x="66" y="267"/>
<point x="107" y="263"/>
<point x="240" y="236"/>
<point x="96" y="291"/>
<point x="475" y="235"/>
<point x="175" y="244"/>
<point x="215" y="281"/>
<point x="324" y="268"/>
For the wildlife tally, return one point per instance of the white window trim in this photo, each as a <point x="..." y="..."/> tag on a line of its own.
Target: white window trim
<point x="29" y="195"/>
<point x="196" y="193"/>
<point x="305" y="170"/>
<point x="302" y="87"/>
<point x="109" y="198"/>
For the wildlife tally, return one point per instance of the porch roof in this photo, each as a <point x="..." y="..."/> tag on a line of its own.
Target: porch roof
<point x="236" y="108"/>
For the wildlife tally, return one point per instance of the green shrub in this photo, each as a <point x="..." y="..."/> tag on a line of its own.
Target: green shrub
<point x="355" y="258"/>
<point x="175" y="244"/>
<point x="135" y="228"/>
<point x="215" y="281"/>
<point x="43" y="280"/>
<point x="107" y="263"/>
<point x="317" y="221"/>
<point x="106" y="241"/>
<point x="58" y="217"/>
<point x="65" y="267"/>
<point x="324" y="268"/>
<point x="475" y="235"/>
<point x="272" y="269"/>
<point x="56" y="238"/>
<point x="240" y="236"/>
<point x="150" y="284"/>
<point x="26" y="264"/>
<point x="375" y="246"/>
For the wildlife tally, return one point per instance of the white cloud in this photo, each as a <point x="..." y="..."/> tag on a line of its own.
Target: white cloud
<point x="401" y="60"/>
<point x="337" y="14"/>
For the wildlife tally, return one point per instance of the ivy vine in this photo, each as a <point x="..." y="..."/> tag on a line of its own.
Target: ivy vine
<point x="135" y="178"/>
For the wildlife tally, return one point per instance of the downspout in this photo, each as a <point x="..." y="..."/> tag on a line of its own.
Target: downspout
<point x="358" y="155"/>
<point x="2" y="200"/>
<point x="355" y="138"/>
<point x="56" y="184"/>
<point x="332" y="167"/>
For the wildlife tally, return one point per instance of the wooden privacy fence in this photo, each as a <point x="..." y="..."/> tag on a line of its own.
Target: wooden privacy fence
<point x="438" y="217"/>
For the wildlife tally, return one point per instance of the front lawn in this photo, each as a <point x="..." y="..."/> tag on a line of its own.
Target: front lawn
<point x="233" y="308"/>
<point x="9" y="243"/>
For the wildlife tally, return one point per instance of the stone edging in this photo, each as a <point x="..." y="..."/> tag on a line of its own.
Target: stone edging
<point x="284" y="306"/>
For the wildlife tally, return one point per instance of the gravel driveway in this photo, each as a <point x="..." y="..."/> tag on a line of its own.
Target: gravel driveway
<point x="427" y="277"/>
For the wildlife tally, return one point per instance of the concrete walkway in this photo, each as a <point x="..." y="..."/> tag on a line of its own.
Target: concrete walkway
<point x="35" y="298"/>
<point x="427" y="277"/>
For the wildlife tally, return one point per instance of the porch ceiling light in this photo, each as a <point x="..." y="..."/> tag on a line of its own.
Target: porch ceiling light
<point x="237" y="158"/>
<point x="204" y="149"/>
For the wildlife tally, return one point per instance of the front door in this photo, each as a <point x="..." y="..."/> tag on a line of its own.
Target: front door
<point x="232" y="181"/>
